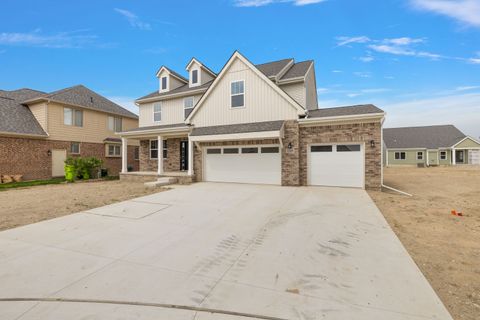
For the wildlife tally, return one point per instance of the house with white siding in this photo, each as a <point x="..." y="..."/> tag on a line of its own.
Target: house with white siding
<point x="253" y="123"/>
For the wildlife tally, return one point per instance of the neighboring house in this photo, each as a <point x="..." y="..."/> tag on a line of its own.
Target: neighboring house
<point x="39" y="130"/>
<point x="254" y="124"/>
<point x="429" y="146"/>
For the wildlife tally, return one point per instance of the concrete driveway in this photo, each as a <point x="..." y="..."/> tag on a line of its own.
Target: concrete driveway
<point x="216" y="251"/>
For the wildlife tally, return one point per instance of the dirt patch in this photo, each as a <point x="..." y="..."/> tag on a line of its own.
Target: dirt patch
<point x="28" y="205"/>
<point x="446" y="248"/>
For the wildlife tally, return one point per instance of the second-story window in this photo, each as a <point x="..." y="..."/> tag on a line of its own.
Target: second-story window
<point x="115" y="124"/>
<point x="72" y="117"/>
<point x="238" y="94"/>
<point x="188" y="105"/>
<point x="194" y="76"/>
<point x="157" y="112"/>
<point x="164" y="83"/>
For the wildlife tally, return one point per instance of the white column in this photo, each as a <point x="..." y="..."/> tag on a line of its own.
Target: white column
<point x="160" y="155"/>
<point x="426" y="157"/>
<point x="124" y="155"/>
<point x="453" y="157"/>
<point x="190" y="157"/>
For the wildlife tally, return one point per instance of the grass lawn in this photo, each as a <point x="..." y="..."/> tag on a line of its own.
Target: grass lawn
<point x="6" y="186"/>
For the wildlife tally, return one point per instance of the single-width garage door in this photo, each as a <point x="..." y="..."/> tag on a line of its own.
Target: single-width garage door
<point x="339" y="165"/>
<point x="244" y="164"/>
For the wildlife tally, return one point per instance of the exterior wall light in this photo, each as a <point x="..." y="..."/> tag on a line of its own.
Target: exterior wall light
<point x="49" y="152"/>
<point x="372" y="143"/>
<point x="290" y="145"/>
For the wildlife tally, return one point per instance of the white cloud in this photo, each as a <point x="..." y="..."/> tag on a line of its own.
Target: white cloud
<point x="464" y="11"/>
<point x="376" y="90"/>
<point x="363" y="74"/>
<point x="366" y="59"/>
<point x="343" y="41"/>
<point x="133" y="19"/>
<point x="474" y="60"/>
<point x="322" y="90"/>
<point x="337" y="71"/>
<point x="126" y="102"/>
<point x="72" y="39"/>
<point x="404" y="41"/>
<point x="465" y="88"/>
<point x="451" y="109"/>
<point x="261" y="3"/>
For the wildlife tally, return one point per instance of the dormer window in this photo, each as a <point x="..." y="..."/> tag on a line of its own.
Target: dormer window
<point x="163" y="85"/>
<point x="194" y="76"/>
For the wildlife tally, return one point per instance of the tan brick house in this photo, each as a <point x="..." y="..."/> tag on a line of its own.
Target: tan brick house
<point x="254" y="124"/>
<point x="39" y="130"/>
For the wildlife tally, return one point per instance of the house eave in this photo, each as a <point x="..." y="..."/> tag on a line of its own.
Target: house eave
<point x="171" y="96"/>
<point x="363" y="117"/>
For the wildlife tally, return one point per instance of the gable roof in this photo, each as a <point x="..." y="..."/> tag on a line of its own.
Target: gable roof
<point x="344" y="111"/>
<point x="16" y="118"/>
<point x="429" y="137"/>
<point x="238" y="128"/>
<point x="173" y="73"/>
<point x="83" y="97"/>
<point x="272" y="69"/>
<point x="298" y="70"/>
<point x="201" y="65"/>
<point x="237" y="55"/>
<point x="185" y="89"/>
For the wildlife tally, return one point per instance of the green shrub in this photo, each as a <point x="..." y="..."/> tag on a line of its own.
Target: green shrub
<point x="84" y="168"/>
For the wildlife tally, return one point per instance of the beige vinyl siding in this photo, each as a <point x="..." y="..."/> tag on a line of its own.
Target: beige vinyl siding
<point x="39" y="111"/>
<point x="296" y="91"/>
<point x="467" y="143"/>
<point x="410" y="157"/>
<point x="172" y="112"/>
<point x="262" y="102"/>
<point x="172" y="82"/>
<point x="311" y="90"/>
<point x="95" y="125"/>
<point x="203" y="76"/>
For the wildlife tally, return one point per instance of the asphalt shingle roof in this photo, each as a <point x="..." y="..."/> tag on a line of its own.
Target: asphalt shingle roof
<point x="344" y="111"/>
<point x="181" y="89"/>
<point x="430" y="137"/>
<point x="14" y="116"/>
<point x="299" y="69"/>
<point x="82" y="96"/>
<point x="164" y="126"/>
<point x="238" y="128"/>
<point x="271" y="69"/>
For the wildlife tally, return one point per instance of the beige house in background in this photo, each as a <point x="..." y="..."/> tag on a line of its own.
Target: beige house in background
<point x="38" y="131"/>
<point x="253" y="123"/>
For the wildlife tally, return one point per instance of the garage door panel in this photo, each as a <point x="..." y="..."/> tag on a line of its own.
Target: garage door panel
<point x="339" y="165"/>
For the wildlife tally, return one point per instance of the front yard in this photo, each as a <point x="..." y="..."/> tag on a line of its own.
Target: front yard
<point x="21" y="206"/>
<point x="445" y="247"/>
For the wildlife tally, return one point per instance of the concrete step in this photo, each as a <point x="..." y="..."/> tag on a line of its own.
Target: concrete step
<point x="163" y="181"/>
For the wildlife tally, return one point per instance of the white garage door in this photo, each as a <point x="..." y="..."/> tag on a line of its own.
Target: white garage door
<point x="339" y="165"/>
<point x="244" y="164"/>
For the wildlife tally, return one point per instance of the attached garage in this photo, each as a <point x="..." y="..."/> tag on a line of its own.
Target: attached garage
<point x="243" y="164"/>
<point x="337" y="165"/>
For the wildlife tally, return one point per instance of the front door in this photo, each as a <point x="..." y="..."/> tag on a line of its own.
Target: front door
<point x="459" y="156"/>
<point x="183" y="155"/>
<point x="58" y="162"/>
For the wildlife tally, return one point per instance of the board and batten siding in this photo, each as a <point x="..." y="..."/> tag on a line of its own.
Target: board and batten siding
<point x="296" y="91"/>
<point x="39" y="111"/>
<point x="262" y="102"/>
<point x="311" y="102"/>
<point x="95" y="126"/>
<point x="172" y="112"/>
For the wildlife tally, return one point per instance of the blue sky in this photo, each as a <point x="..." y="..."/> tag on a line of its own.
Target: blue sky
<point x="417" y="59"/>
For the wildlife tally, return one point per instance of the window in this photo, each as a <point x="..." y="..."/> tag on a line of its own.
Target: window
<point x="443" y="155"/>
<point x="165" y="149"/>
<point x="194" y="76"/>
<point x="72" y="117"/>
<point x="153" y="149"/>
<point x="214" y="151"/>
<point x="238" y="94"/>
<point x="419" y="155"/>
<point x="164" y="83"/>
<point x="348" y="147"/>
<point x="115" y="124"/>
<point x="230" y="150"/>
<point x="321" y="148"/>
<point x="136" y="153"/>
<point x="270" y="149"/>
<point x="114" y="150"/>
<point x="75" y="148"/>
<point x="400" y="155"/>
<point x="249" y="150"/>
<point x="188" y="103"/>
<point x="157" y="112"/>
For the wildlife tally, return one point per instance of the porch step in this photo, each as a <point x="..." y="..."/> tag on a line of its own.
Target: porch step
<point x="163" y="181"/>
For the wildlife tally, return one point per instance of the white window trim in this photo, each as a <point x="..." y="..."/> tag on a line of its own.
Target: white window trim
<point x="114" y="118"/>
<point x="445" y="153"/>
<point x="400" y="157"/>
<point x="73" y="112"/>
<point x="79" y="147"/>
<point x="167" y="83"/>
<point x="153" y="112"/>
<point x="193" y="103"/>
<point x="150" y="149"/>
<point x="199" y="80"/>
<point x="108" y="155"/>
<point x="244" y="94"/>
<point x="420" y="153"/>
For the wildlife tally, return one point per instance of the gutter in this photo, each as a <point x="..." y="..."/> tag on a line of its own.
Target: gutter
<point x="149" y="131"/>
<point x="169" y="96"/>
<point x="341" y="118"/>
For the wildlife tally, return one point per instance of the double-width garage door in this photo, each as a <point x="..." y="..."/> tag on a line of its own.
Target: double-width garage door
<point x="339" y="165"/>
<point x="243" y="164"/>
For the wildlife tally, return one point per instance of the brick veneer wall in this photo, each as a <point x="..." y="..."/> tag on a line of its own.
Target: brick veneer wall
<point x="171" y="163"/>
<point x="291" y="156"/>
<point x="29" y="157"/>
<point x="356" y="132"/>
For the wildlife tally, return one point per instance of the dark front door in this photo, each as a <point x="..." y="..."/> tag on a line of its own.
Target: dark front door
<point x="183" y="155"/>
<point x="459" y="156"/>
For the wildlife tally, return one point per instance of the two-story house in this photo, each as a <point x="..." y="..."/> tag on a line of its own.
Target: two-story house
<point x="39" y="130"/>
<point x="254" y="124"/>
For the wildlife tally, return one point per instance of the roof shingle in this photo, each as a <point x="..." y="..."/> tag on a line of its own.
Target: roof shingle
<point x="429" y="137"/>
<point x="344" y="111"/>
<point x="238" y="128"/>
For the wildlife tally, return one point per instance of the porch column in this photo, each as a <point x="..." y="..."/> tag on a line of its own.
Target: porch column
<point x="160" y="155"/>
<point x="190" y="157"/>
<point x="454" y="161"/>
<point x="124" y="155"/>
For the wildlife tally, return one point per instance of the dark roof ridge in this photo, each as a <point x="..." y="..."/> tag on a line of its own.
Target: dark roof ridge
<point x="261" y="64"/>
